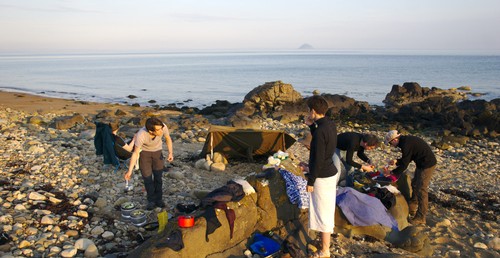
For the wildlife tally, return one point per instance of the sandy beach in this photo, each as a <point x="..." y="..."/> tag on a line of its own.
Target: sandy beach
<point x="464" y="208"/>
<point x="42" y="105"/>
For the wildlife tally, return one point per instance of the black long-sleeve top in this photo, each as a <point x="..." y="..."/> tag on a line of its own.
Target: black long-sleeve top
<point x="414" y="149"/>
<point x="350" y="142"/>
<point x="323" y="144"/>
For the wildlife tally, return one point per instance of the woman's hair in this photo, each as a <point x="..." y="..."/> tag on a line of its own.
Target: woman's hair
<point x="318" y="104"/>
<point x="114" y="126"/>
<point x="152" y="122"/>
<point x="371" y="140"/>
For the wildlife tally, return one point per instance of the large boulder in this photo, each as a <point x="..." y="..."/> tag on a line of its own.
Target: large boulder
<point x="195" y="244"/>
<point x="421" y="107"/>
<point x="267" y="209"/>
<point x="280" y="101"/>
<point x="411" y="239"/>
<point x="412" y="92"/>
<point x="276" y="99"/>
<point x="469" y="118"/>
<point x="346" y="108"/>
<point x="271" y="95"/>
<point x="220" y="108"/>
<point x="482" y="113"/>
<point x="399" y="211"/>
<point x="255" y="212"/>
<point x="67" y="122"/>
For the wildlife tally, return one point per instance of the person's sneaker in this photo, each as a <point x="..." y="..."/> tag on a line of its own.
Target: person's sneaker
<point x="160" y="204"/>
<point x="417" y="221"/>
<point x="150" y="206"/>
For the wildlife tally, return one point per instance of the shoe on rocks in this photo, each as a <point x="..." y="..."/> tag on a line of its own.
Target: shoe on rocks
<point x="160" y="204"/>
<point x="417" y="221"/>
<point x="150" y="206"/>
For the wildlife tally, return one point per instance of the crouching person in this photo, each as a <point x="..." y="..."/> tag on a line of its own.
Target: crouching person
<point x="148" y="149"/>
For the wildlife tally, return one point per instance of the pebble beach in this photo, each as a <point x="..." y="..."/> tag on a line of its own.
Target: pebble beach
<point x="58" y="199"/>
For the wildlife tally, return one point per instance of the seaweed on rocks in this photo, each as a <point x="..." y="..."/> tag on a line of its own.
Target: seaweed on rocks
<point x="16" y="163"/>
<point x="20" y="171"/>
<point x="45" y="187"/>
<point x="64" y="208"/>
<point x="462" y="194"/>
<point x="480" y="203"/>
<point x="4" y="182"/>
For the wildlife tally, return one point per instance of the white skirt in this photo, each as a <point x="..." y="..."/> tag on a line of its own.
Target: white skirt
<point x="322" y="202"/>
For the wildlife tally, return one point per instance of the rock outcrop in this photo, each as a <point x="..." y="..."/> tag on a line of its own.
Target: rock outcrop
<point x="67" y="122"/>
<point x="277" y="100"/>
<point x="268" y="209"/>
<point x="281" y="102"/>
<point x="435" y="108"/>
<point x="412" y="92"/>
<point x="412" y="106"/>
<point x="345" y="108"/>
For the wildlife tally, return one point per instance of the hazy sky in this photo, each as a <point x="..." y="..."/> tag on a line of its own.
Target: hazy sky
<point x="163" y="25"/>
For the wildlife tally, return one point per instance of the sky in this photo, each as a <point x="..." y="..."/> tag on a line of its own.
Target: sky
<point x="165" y="25"/>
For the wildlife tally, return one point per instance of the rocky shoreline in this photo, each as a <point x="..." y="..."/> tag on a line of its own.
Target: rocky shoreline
<point x="58" y="199"/>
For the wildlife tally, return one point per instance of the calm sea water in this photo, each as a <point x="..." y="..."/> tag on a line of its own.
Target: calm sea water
<point x="200" y="78"/>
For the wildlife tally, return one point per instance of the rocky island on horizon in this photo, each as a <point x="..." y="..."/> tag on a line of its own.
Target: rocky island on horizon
<point x="306" y="46"/>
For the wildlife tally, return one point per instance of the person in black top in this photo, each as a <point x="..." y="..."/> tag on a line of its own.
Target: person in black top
<point x="417" y="150"/>
<point x="323" y="176"/>
<point x="355" y="142"/>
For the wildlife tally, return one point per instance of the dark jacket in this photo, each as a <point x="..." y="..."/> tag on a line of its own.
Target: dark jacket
<point x="104" y="143"/>
<point x="414" y="149"/>
<point x="350" y="142"/>
<point x="323" y="144"/>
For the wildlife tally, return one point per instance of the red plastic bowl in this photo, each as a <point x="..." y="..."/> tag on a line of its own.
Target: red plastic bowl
<point x="185" y="221"/>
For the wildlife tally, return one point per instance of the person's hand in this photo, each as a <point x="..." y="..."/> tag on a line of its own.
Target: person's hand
<point x="128" y="175"/>
<point x="387" y="172"/>
<point x="310" y="189"/>
<point x="170" y="157"/>
<point x="308" y="120"/>
<point x="367" y="168"/>
<point x="304" y="167"/>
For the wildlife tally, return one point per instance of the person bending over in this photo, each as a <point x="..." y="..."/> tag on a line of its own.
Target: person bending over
<point x="148" y="148"/>
<point x="355" y="142"/>
<point x="417" y="150"/>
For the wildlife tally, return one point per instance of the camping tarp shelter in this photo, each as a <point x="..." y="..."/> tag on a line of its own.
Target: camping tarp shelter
<point x="245" y="143"/>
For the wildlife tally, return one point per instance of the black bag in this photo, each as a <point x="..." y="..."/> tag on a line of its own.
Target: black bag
<point x="384" y="195"/>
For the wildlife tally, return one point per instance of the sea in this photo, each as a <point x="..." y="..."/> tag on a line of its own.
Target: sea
<point x="199" y="78"/>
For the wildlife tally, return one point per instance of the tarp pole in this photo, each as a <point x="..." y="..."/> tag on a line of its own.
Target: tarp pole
<point x="212" y="146"/>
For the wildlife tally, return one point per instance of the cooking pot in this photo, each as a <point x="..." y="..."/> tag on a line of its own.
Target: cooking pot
<point x="127" y="208"/>
<point x="185" y="221"/>
<point x="138" y="217"/>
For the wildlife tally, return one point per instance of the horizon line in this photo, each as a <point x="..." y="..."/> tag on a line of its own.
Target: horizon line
<point x="251" y="50"/>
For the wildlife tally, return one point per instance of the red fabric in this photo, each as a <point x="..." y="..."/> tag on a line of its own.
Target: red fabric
<point x="230" y="216"/>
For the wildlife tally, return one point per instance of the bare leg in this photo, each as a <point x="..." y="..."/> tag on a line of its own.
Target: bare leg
<point x="325" y="242"/>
